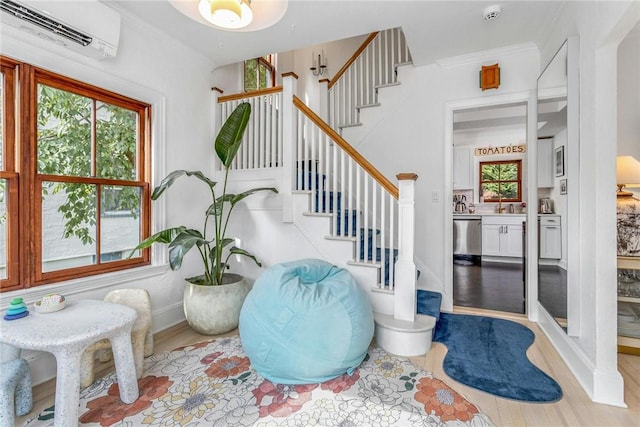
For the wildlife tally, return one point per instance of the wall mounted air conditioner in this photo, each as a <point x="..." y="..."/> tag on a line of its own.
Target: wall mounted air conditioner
<point x="88" y="27"/>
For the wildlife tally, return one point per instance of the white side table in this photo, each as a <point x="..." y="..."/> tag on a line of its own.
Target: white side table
<point x="66" y="334"/>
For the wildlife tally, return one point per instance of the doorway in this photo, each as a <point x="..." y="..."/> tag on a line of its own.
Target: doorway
<point x="489" y="183"/>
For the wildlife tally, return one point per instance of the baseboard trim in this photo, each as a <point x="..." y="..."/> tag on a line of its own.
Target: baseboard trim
<point x="601" y="386"/>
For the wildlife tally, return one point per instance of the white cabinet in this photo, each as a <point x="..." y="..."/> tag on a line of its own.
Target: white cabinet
<point x="545" y="163"/>
<point x="502" y="236"/>
<point x="550" y="237"/>
<point x="462" y="168"/>
<point x="629" y="305"/>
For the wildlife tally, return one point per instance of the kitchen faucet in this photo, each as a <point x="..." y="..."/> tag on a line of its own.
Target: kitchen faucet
<point x="500" y="208"/>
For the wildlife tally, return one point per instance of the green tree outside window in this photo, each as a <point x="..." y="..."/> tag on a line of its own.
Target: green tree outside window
<point x="501" y="181"/>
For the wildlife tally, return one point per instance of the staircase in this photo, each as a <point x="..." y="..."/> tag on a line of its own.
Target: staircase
<point x="344" y="206"/>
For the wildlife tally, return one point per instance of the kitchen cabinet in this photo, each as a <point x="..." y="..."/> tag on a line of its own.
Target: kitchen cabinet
<point x="629" y="305"/>
<point x="502" y="236"/>
<point x="550" y="231"/>
<point x="545" y="163"/>
<point x="462" y="168"/>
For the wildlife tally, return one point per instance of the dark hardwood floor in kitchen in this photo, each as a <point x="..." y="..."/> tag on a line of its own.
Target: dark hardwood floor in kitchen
<point x="500" y="286"/>
<point x="492" y="286"/>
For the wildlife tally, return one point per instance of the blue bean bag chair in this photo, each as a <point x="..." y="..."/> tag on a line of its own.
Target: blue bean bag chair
<point x="305" y="322"/>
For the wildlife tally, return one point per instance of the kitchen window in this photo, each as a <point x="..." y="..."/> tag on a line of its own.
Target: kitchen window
<point x="74" y="179"/>
<point x="501" y="181"/>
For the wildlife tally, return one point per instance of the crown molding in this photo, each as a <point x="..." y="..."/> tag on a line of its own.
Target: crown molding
<point x="529" y="48"/>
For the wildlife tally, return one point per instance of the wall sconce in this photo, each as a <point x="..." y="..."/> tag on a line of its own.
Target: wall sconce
<point x="490" y="77"/>
<point x="319" y="64"/>
<point x="627" y="174"/>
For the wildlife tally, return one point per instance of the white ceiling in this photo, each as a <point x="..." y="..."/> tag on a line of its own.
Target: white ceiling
<point x="434" y="29"/>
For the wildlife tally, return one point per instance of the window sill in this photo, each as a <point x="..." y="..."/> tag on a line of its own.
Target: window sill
<point x="85" y="284"/>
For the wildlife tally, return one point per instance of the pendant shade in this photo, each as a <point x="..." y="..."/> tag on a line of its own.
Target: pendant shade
<point x="227" y="14"/>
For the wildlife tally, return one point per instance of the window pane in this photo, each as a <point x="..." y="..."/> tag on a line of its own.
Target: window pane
<point x="3" y="229"/>
<point x="116" y="137"/>
<point x="264" y="72"/>
<point x="508" y="171"/>
<point x="120" y="221"/>
<point x="1" y="121"/>
<point x="64" y="132"/>
<point x="490" y="191"/>
<point x="490" y="172"/>
<point x="509" y="190"/>
<point x="68" y="225"/>
<point x="250" y="72"/>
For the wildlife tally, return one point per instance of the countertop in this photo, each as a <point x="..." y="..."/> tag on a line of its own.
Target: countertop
<point x="480" y="215"/>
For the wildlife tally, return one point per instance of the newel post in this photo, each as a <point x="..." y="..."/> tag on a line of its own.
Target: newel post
<point x="405" y="288"/>
<point x="324" y="99"/>
<point x="289" y="132"/>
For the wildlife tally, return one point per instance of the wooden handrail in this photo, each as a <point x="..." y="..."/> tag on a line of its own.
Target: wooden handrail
<point x="353" y="58"/>
<point x="251" y="94"/>
<point x="364" y="163"/>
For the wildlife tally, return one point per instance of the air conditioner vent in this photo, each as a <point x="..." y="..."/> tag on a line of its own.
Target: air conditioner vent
<point x="43" y="21"/>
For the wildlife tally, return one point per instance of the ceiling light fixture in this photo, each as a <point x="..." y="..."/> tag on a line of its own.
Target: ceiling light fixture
<point x="264" y="13"/>
<point x="492" y="12"/>
<point x="227" y="14"/>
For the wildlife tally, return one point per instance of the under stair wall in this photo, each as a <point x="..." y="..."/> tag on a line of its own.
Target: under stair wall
<point x="373" y="67"/>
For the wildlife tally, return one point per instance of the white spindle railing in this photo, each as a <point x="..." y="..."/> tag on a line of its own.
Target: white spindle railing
<point x="373" y="68"/>
<point x="342" y="187"/>
<point x="262" y="144"/>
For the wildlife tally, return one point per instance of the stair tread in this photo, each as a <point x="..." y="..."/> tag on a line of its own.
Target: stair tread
<point x="375" y="104"/>
<point x="349" y="125"/>
<point x="429" y="303"/>
<point x="387" y="85"/>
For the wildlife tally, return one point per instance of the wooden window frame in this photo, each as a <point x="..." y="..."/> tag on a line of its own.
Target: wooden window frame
<point x="8" y="172"/>
<point x="28" y="255"/>
<point x="266" y="61"/>
<point x="518" y="180"/>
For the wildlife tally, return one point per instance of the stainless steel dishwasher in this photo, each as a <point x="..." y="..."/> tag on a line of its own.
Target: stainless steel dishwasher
<point x="467" y="240"/>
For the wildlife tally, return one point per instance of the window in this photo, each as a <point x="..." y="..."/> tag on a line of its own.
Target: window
<point x="501" y="181"/>
<point x="259" y="73"/>
<point x="84" y="173"/>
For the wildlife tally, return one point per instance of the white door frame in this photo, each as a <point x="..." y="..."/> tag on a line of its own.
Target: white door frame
<point x="527" y="98"/>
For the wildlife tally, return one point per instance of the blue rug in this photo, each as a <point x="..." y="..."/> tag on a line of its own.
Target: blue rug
<point x="489" y="354"/>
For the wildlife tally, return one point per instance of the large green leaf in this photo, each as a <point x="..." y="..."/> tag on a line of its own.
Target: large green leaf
<point x="238" y="197"/>
<point x="237" y="251"/>
<point x="182" y="244"/>
<point x="229" y="138"/>
<point x="164" y="236"/>
<point x="171" y="178"/>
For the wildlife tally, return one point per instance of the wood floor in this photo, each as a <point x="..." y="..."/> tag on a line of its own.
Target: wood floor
<point x="575" y="408"/>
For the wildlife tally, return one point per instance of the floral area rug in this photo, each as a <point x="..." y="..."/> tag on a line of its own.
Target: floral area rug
<point x="213" y="384"/>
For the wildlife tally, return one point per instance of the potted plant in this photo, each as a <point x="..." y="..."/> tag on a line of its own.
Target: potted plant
<point x="212" y="300"/>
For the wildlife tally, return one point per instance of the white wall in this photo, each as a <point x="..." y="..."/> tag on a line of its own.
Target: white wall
<point x="229" y="77"/>
<point x="629" y="95"/>
<point x="591" y="354"/>
<point x="150" y="67"/>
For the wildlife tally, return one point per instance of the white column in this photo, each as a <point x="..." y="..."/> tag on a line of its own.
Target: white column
<point x="216" y="121"/>
<point x="289" y="88"/>
<point x="405" y="288"/>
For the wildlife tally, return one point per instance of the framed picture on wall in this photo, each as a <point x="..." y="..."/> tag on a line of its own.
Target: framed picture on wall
<point x="563" y="186"/>
<point x="559" y="161"/>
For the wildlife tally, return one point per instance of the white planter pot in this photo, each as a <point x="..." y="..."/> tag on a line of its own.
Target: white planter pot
<point x="214" y="310"/>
